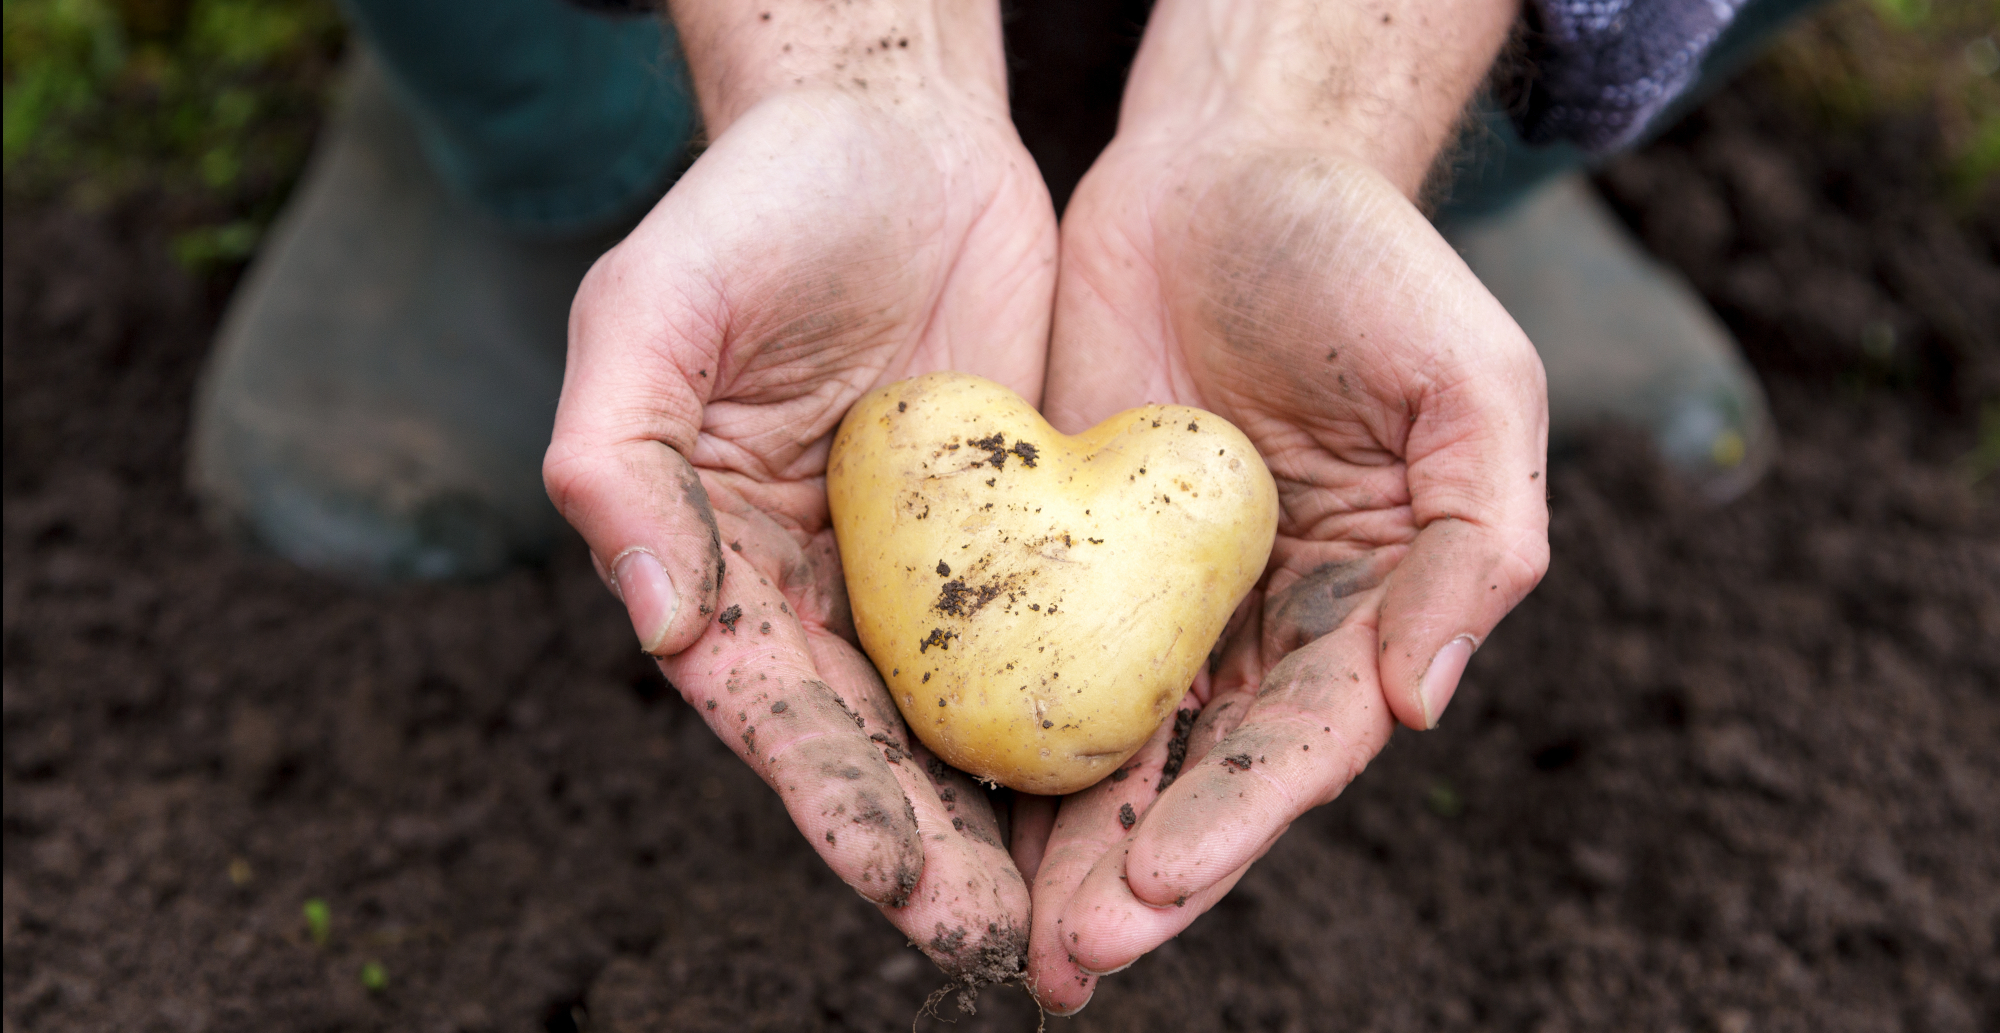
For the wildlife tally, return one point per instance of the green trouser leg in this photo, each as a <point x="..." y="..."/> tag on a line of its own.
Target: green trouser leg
<point x="548" y="117"/>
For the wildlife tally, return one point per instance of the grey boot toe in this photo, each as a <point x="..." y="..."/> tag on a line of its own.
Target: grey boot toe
<point x="1623" y="338"/>
<point x="385" y="380"/>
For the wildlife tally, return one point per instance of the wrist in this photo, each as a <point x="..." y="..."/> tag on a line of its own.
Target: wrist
<point x="886" y="52"/>
<point x="1382" y="82"/>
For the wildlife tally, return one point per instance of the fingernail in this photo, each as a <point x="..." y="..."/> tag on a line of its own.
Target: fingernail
<point x="649" y="597"/>
<point x="1060" y="1014"/>
<point x="1441" y="678"/>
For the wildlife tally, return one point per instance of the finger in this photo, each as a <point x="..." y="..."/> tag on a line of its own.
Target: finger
<point x="969" y="911"/>
<point x="1318" y="718"/>
<point x="1111" y="928"/>
<point x="1033" y="818"/>
<point x="1087" y="826"/>
<point x="1458" y="580"/>
<point x="631" y="406"/>
<point x="1106" y="927"/>
<point x="1475" y="458"/>
<point x="1094" y="369"/>
<point x="751" y="677"/>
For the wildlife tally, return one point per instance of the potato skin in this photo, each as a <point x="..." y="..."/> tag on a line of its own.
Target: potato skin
<point x="1038" y="603"/>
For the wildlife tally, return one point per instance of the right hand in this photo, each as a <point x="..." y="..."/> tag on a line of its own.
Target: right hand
<point x="1248" y="244"/>
<point x="864" y="220"/>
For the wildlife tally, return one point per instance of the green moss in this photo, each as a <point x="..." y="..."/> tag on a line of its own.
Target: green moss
<point x="319" y="920"/>
<point x="211" y="103"/>
<point x="1860" y="61"/>
<point x="1443" y="800"/>
<point x="1984" y="459"/>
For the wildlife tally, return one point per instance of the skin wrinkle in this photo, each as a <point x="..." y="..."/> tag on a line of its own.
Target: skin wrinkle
<point x="1385" y="527"/>
<point x="572" y="479"/>
<point x="1304" y="460"/>
<point x="707" y="310"/>
<point x="771" y="367"/>
<point x="772" y="753"/>
<point x="761" y="511"/>
<point x="667" y="423"/>
<point x="859" y="377"/>
<point x="835" y="398"/>
<point x="718" y="453"/>
<point x="1457" y="400"/>
<point x="1349" y="439"/>
<point x="1529" y="550"/>
<point x="1462" y="500"/>
<point x="776" y="516"/>
<point x="1303" y="465"/>
<point x="673" y="405"/>
<point x="1381" y="525"/>
<point x="1261" y="364"/>
<point x="777" y="658"/>
<point x="952" y="271"/>
<point x="835" y="316"/>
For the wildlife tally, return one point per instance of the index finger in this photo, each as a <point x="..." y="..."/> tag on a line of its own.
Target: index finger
<point x="751" y="677"/>
<point x="1317" y="719"/>
<point x="805" y="710"/>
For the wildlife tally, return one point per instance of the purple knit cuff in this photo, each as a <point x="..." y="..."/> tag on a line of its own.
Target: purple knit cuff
<point x="1599" y="70"/>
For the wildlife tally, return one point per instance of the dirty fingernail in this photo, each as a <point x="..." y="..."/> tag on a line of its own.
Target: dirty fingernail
<point x="1441" y="678"/>
<point x="649" y="597"/>
<point x="1061" y="1014"/>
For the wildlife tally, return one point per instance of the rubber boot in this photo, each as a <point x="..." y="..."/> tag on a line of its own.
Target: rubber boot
<point x="1624" y="339"/>
<point x="385" y="379"/>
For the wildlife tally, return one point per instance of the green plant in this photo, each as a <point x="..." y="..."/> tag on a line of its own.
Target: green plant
<point x="1859" y="61"/>
<point x="211" y="103"/>
<point x="319" y="920"/>
<point x="1904" y="14"/>
<point x="58" y="55"/>
<point x="205" y="246"/>
<point x="1984" y="459"/>
<point x="374" y="978"/>
<point x="1443" y="800"/>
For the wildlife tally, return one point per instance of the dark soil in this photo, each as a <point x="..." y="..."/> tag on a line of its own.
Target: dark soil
<point x="1724" y="771"/>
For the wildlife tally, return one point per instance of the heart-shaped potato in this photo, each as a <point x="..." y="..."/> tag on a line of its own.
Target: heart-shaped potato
<point x="1039" y="603"/>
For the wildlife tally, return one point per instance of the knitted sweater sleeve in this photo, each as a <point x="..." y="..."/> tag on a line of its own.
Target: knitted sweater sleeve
<point x="1598" y="70"/>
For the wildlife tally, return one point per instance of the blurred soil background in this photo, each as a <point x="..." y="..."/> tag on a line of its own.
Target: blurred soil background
<point x="1728" y="772"/>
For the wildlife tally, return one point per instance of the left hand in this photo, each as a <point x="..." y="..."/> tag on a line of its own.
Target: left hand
<point x="1212" y="259"/>
<point x="840" y="232"/>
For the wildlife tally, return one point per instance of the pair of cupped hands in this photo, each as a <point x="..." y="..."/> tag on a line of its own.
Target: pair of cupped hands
<point x="850" y="228"/>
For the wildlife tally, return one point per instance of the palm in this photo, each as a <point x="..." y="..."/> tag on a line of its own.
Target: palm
<point x="885" y="271"/>
<point x="1239" y="305"/>
<point x="818" y="249"/>
<point x="1309" y="303"/>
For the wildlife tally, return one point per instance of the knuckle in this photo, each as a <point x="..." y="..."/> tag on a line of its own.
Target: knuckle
<point x="568" y="476"/>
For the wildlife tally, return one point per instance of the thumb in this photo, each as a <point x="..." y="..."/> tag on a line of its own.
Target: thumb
<point x="1475" y="459"/>
<point x="633" y="392"/>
